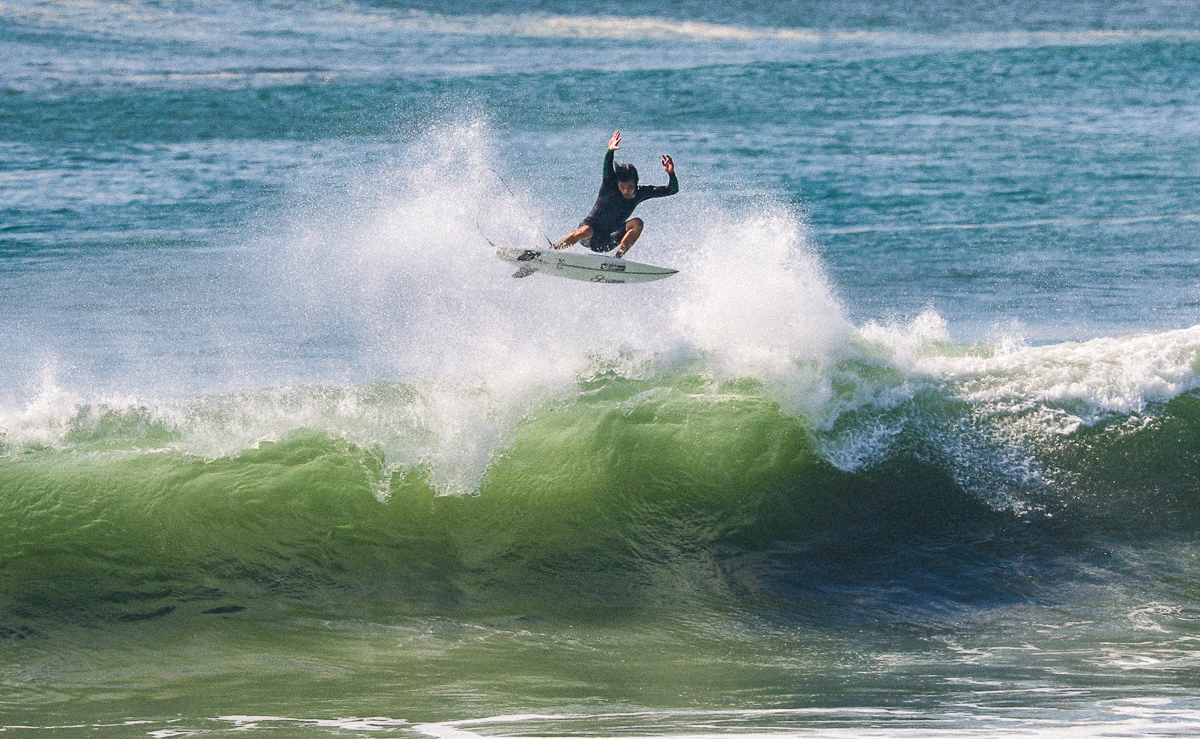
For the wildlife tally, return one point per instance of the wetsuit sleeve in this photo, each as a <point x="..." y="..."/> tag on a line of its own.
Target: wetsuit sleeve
<point x="610" y="171"/>
<point x="659" y="191"/>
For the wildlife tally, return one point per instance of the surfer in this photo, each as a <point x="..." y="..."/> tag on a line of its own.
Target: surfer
<point x="609" y="226"/>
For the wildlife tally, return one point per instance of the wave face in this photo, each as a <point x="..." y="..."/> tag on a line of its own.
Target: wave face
<point x="914" y="463"/>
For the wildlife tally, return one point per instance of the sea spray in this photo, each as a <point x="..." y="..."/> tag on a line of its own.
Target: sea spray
<point x="408" y="272"/>
<point x="756" y="303"/>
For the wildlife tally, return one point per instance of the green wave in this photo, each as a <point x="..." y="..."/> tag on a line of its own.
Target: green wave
<point x="630" y="494"/>
<point x="587" y="487"/>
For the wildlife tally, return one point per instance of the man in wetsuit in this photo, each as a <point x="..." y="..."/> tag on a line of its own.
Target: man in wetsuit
<point x="609" y="226"/>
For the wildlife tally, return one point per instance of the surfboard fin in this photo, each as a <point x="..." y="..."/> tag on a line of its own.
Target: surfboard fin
<point x="524" y="271"/>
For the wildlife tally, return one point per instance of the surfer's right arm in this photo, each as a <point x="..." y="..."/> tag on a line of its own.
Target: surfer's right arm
<point x="610" y="171"/>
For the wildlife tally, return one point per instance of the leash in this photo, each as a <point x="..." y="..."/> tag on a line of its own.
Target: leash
<point x="520" y="205"/>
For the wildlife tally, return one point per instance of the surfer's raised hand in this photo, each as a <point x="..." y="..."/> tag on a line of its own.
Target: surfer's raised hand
<point x="668" y="164"/>
<point x="615" y="142"/>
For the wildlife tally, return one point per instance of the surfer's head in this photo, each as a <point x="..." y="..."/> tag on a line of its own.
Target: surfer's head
<point x="627" y="180"/>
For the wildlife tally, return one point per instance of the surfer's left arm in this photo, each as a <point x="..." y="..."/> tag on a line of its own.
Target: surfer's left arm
<point x="672" y="186"/>
<point x="673" y="182"/>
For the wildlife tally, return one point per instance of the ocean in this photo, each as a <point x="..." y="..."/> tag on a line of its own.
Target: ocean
<point x="909" y="447"/>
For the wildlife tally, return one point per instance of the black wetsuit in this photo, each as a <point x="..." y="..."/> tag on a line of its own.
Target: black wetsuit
<point x="612" y="209"/>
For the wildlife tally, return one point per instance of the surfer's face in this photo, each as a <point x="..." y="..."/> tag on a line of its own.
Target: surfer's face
<point x="628" y="188"/>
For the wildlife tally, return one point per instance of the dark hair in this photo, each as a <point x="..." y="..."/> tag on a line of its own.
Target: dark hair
<point x="626" y="172"/>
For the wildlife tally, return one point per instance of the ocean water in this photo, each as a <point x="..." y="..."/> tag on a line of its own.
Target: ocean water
<point x="909" y="447"/>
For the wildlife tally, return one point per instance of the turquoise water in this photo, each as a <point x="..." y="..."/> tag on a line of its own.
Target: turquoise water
<point x="907" y="448"/>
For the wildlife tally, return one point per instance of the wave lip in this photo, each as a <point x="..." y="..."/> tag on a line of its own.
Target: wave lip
<point x="1094" y="379"/>
<point x="861" y="392"/>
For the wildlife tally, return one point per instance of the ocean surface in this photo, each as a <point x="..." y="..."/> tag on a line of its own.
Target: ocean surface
<point x="910" y="447"/>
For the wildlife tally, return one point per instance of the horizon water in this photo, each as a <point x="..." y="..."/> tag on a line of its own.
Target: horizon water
<point x="910" y="446"/>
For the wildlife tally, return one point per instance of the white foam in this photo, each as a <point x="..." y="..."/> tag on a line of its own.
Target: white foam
<point x="1074" y="382"/>
<point x="44" y="420"/>
<point x="354" y="724"/>
<point x="1097" y="377"/>
<point x="1135" y="717"/>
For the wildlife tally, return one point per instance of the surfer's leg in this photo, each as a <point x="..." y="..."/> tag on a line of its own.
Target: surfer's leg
<point x="579" y="234"/>
<point x="633" y="229"/>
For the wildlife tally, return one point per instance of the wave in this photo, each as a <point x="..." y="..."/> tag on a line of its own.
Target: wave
<point x="637" y="489"/>
<point x="727" y="435"/>
<point x="639" y="28"/>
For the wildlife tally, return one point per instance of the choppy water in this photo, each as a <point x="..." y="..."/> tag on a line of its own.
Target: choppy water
<point x="909" y="447"/>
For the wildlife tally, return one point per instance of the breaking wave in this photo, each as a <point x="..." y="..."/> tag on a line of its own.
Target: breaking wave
<point x="529" y="445"/>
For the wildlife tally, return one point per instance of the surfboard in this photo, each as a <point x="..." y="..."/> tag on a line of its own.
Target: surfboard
<point x="576" y="266"/>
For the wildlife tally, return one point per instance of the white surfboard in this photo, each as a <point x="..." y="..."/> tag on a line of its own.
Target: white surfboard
<point x="576" y="266"/>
